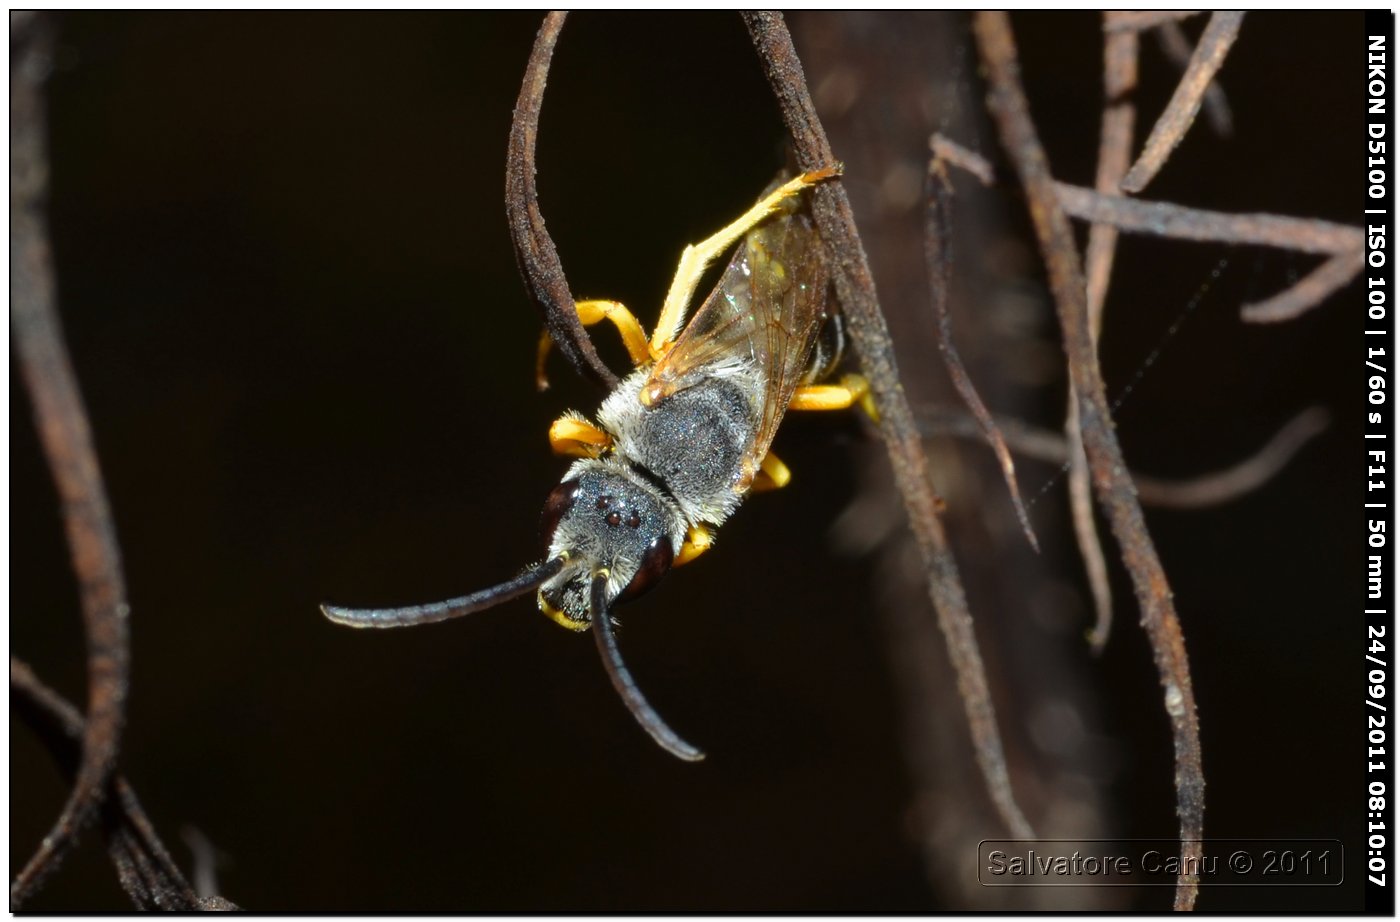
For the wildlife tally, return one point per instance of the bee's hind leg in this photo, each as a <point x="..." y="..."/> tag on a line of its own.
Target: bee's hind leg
<point x="773" y="474"/>
<point x="850" y="390"/>
<point x="698" y="256"/>
<point x="591" y="312"/>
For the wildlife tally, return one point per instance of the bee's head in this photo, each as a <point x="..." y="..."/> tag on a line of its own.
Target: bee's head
<point x="604" y="518"/>
<point x="611" y="534"/>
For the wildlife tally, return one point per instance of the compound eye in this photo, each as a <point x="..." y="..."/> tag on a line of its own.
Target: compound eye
<point x="656" y="560"/>
<point x="561" y="500"/>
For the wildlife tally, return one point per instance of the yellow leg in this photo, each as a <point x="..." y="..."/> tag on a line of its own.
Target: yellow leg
<point x="697" y="257"/>
<point x="773" y="474"/>
<point x="697" y="541"/>
<point x="851" y="390"/>
<point x="574" y="435"/>
<point x="591" y="312"/>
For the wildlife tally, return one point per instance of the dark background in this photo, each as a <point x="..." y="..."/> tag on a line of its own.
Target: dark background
<point x="292" y="305"/>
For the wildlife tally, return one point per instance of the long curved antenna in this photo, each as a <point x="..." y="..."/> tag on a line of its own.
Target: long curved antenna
<point x="622" y="679"/>
<point x="452" y="608"/>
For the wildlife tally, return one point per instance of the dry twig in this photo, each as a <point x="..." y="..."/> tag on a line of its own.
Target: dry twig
<point x="1010" y="111"/>
<point x="856" y="290"/>
<point x="1171" y="127"/>
<point x="534" y="250"/>
<point x="1304" y="235"/>
<point x="67" y="442"/>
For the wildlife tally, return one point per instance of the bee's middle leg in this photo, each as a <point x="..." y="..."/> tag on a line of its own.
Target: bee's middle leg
<point x="591" y="312"/>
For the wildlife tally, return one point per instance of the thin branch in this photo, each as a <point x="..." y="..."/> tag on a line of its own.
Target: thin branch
<point x="856" y="289"/>
<point x="147" y="872"/>
<point x="1171" y="127"/>
<point x="1204" y="490"/>
<point x="67" y="442"/>
<point x="1306" y="235"/>
<point x="949" y="151"/>
<point x="1120" y="74"/>
<point x="1239" y="479"/>
<point x="1120" y="77"/>
<point x="1310" y="291"/>
<point x="534" y="249"/>
<point x="1011" y="113"/>
<point x="1177" y="47"/>
<point x="938" y="259"/>
<point x="1142" y="20"/>
<point x="1343" y="243"/>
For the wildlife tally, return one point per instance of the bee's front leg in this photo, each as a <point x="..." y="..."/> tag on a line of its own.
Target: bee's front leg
<point x="698" y="540"/>
<point x="698" y="256"/>
<point x="595" y="311"/>
<point x="571" y="434"/>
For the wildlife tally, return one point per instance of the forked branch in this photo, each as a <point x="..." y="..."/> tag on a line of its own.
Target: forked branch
<point x="144" y="867"/>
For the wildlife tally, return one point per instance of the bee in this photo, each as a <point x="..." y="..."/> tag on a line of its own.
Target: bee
<point x="684" y="438"/>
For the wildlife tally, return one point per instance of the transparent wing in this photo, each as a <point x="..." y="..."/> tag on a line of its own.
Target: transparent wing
<point x="765" y="313"/>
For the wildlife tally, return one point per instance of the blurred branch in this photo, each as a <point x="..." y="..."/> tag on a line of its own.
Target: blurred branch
<point x="1142" y="20"/>
<point x="1120" y="75"/>
<point x="146" y="871"/>
<point x="1010" y="111"/>
<point x="1196" y="492"/>
<point x="1310" y="291"/>
<point x="1171" y="127"/>
<point x="535" y="253"/>
<point x="66" y="437"/>
<point x="1177" y="47"/>
<point x="938" y="256"/>
<point x="855" y="288"/>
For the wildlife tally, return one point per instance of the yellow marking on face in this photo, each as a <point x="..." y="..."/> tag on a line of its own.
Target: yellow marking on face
<point x="559" y="618"/>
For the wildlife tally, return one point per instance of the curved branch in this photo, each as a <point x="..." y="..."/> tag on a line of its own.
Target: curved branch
<point x="534" y="249"/>
<point x="66" y="437"/>
<point x="1309" y="291"/>
<point x="1203" y="490"/>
